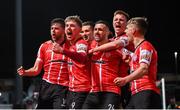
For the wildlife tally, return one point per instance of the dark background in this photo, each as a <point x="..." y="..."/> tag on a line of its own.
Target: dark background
<point x="37" y="14"/>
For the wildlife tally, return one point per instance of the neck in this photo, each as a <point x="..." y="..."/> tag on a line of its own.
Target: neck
<point x="60" y="41"/>
<point x="119" y="34"/>
<point x="103" y="42"/>
<point x="137" y="41"/>
<point x="90" y="40"/>
<point x="72" y="42"/>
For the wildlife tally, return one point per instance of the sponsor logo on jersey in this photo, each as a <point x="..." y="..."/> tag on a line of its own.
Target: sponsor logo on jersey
<point x="81" y="48"/>
<point x="98" y="61"/>
<point x="145" y="55"/>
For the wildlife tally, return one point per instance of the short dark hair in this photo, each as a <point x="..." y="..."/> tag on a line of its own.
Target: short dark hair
<point x="122" y="12"/>
<point x="58" y="20"/>
<point x="88" y="23"/>
<point x="103" y="22"/>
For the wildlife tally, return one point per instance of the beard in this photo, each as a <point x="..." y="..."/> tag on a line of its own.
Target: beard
<point x="57" y="38"/>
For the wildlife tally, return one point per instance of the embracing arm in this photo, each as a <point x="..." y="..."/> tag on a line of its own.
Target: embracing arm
<point x="121" y="42"/>
<point x="142" y="70"/>
<point x="79" y="57"/>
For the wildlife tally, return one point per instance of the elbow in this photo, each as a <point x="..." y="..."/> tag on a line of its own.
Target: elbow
<point x="36" y="71"/>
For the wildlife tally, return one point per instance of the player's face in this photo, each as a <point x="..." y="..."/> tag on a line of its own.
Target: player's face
<point x="57" y="31"/>
<point x="72" y="30"/>
<point x="100" y="32"/>
<point x="130" y="30"/>
<point x="87" y="33"/>
<point x="119" y="23"/>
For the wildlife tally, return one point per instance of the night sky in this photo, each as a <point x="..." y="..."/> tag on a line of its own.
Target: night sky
<point x="37" y="14"/>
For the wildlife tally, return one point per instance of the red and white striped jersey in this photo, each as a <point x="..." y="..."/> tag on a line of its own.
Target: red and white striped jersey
<point x="55" y="64"/>
<point x="104" y="69"/>
<point x="124" y="67"/>
<point x="145" y="53"/>
<point x="92" y="44"/>
<point x="79" y="74"/>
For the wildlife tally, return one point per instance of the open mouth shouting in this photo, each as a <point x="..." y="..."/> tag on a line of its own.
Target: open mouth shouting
<point x="117" y="25"/>
<point x="69" y="32"/>
<point x="86" y="38"/>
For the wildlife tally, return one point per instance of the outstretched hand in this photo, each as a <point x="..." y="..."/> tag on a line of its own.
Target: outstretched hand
<point x="21" y="70"/>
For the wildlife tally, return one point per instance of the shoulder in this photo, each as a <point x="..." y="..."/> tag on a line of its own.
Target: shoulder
<point x="147" y="44"/>
<point x="147" y="47"/>
<point x="46" y="44"/>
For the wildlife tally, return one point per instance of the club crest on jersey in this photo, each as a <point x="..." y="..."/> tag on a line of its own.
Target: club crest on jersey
<point x="81" y="48"/>
<point x="145" y="55"/>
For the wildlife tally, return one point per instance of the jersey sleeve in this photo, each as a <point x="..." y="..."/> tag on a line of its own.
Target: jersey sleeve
<point x="145" y="54"/>
<point x="40" y="55"/>
<point x="80" y="53"/>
